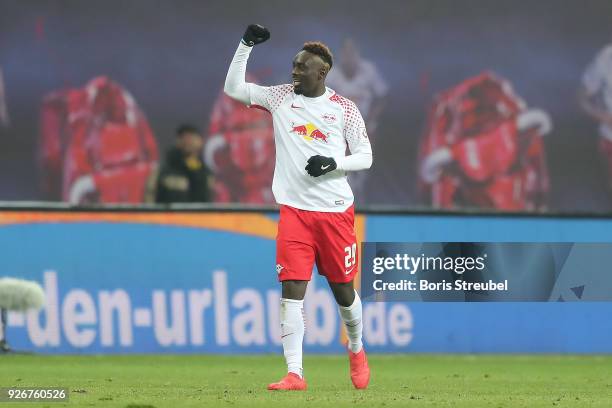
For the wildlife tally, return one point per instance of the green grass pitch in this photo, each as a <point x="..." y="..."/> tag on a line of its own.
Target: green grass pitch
<point x="236" y="381"/>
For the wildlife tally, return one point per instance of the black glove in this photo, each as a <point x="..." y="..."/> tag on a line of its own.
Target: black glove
<point x="320" y="165"/>
<point x="255" y="34"/>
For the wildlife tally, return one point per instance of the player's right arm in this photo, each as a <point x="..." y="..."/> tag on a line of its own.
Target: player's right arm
<point x="236" y="86"/>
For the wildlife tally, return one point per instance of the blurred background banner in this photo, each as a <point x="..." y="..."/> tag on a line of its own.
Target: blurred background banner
<point x="155" y="282"/>
<point x="471" y="104"/>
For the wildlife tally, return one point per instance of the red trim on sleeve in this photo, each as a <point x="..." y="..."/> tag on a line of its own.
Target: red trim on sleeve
<point x="260" y="107"/>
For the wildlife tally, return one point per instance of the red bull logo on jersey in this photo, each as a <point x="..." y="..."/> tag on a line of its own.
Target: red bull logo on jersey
<point x="310" y="132"/>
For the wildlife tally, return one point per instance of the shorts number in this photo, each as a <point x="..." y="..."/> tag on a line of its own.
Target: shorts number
<point x="351" y="253"/>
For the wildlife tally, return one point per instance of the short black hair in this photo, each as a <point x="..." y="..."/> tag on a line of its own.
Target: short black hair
<point x="320" y="49"/>
<point x="187" y="128"/>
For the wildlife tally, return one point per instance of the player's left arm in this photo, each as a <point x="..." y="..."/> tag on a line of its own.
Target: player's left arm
<point x="356" y="137"/>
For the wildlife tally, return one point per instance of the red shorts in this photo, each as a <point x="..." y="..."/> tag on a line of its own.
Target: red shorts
<point x="308" y="237"/>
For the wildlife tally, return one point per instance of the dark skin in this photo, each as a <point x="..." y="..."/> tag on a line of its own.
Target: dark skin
<point x="308" y="74"/>
<point x="344" y="293"/>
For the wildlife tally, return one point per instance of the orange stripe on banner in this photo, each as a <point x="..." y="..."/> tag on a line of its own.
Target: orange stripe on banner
<point x="250" y="224"/>
<point x="360" y="227"/>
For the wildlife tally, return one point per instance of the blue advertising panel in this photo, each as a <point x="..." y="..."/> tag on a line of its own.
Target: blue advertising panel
<point x="206" y="283"/>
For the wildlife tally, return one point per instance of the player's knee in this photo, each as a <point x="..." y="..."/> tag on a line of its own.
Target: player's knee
<point x="343" y="293"/>
<point x="346" y="299"/>
<point x="295" y="290"/>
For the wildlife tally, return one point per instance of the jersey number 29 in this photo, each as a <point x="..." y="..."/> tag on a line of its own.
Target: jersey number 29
<point x="351" y="253"/>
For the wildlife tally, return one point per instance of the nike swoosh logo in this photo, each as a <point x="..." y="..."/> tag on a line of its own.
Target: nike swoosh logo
<point x="349" y="271"/>
<point x="282" y="337"/>
<point x="325" y="167"/>
<point x="296" y="107"/>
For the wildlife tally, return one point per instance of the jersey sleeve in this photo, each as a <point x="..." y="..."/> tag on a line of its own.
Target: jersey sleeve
<point x="268" y="97"/>
<point x="594" y="76"/>
<point x="355" y="132"/>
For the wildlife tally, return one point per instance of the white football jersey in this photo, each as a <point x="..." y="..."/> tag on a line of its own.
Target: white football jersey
<point x="597" y="80"/>
<point x="305" y="127"/>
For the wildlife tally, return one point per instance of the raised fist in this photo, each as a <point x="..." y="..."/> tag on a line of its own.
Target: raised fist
<point x="255" y="34"/>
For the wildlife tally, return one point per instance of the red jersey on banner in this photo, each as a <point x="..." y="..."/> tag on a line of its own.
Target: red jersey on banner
<point x="95" y="145"/>
<point x="483" y="148"/>
<point x="240" y="151"/>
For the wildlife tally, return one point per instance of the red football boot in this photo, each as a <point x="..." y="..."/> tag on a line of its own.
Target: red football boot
<point x="291" y="382"/>
<point x="360" y="371"/>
